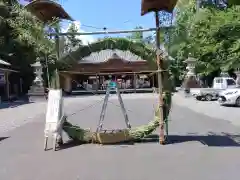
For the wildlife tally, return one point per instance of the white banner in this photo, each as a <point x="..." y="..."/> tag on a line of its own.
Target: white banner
<point x="54" y="110"/>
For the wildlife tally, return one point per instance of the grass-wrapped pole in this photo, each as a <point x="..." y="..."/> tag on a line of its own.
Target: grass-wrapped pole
<point x="160" y="83"/>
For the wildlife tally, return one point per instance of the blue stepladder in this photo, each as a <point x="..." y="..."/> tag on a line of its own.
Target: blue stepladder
<point x="112" y="86"/>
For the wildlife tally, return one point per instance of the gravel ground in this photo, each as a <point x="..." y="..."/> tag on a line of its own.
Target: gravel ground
<point x="202" y="147"/>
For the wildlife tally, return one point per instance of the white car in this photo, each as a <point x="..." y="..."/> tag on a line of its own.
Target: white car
<point x="230" y="97"/>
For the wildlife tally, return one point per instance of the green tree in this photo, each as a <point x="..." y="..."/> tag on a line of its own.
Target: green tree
<point x="73" y="41"/>
<point x="211" y="35"/>
<point x="136" y="36"/>
<point x="23" y="38"/>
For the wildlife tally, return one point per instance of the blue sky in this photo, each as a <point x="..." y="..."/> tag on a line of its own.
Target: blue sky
<point x="112" y="14"/>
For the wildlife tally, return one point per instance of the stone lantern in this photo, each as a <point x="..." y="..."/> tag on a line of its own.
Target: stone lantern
<point x="190" y="80"/>
<point x="37" y="91"/>
<point x="38" y="81"/>
<point x="237" y="72"/>
<point x="224" y="74"/>
<point x="191" y="63"/>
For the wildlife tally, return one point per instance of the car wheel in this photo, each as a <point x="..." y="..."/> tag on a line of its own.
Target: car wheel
<point x="199" y="98"/>
<point x="238" y="102"/>
<point x="208" y="97"/>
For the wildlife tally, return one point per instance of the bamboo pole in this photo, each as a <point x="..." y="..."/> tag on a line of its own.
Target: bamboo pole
<point x="57" y="78"/>
<point x="160" y="84"/>
<point x="107" y="32"/>
<point x="48" y="78"/>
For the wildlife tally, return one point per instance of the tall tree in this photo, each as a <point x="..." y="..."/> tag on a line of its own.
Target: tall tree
<point x="23" y="39"/>
<point x="211" y="35"/>
<point x="73" y="41"/>
<point x="137" y="36"/>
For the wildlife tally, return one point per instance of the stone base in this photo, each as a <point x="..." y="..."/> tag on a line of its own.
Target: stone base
<point x="36" y="98"/>
<point x="36" y="93"/>
<point x="191" y="82"/>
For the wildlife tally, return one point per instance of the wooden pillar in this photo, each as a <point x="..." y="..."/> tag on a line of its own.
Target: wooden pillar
<point x="97" y="83"/>
<point x="7" y="85"/>
<point x="153" y="81"/>
<point x="21" y="86"/>
<point x="67" y="86"/>
<point x="135" y="82"/>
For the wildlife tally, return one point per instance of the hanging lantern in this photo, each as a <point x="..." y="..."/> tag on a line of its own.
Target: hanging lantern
<point x="157" y="5"/>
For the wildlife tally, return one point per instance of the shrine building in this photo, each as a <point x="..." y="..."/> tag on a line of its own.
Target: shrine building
<point x="92" y="73"/>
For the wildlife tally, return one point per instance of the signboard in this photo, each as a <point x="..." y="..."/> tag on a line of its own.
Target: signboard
<point x="54" y="109"/>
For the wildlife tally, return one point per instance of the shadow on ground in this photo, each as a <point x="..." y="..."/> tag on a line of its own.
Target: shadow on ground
<point x="231" y="106"/>
<point x="211" y="140"/>
<point x="70" y="144"/>
<point x="13" y="104"/>
<point x="224" y="140"/>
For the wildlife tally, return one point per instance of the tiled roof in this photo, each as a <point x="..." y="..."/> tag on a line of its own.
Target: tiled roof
<point x="105" y="55"/>
<point x="4" y="63"/>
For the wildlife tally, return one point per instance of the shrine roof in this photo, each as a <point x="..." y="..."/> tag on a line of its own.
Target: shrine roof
<point x="2" y="62"/>
<point x="105" y="55"/>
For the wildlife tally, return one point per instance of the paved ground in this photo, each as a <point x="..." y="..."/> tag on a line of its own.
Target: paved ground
<point x="212" y="109"/>
<point x="203" y="147"/>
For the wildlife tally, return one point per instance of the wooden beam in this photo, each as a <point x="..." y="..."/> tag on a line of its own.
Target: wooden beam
<point x="93" y="73"/>
<point x="8" y="70"/>
<point x="107" y="32"/>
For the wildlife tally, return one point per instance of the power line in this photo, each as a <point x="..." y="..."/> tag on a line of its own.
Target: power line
<point x="89" y="26"/>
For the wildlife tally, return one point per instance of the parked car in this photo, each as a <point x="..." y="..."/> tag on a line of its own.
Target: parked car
<point x="209" y="94"/>
<point x="230" y="97"/>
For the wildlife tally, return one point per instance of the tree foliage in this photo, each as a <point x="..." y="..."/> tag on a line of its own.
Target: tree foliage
<point x="21" y="34"/>
<point x="137" y="36"/>
<point x="23" y="39"/>
<point x="73" y="42"/>
<point x="210" y="34"/>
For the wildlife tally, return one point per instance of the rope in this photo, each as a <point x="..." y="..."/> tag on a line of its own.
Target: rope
<point x="94" y="104"/>
<point x="85" y="108"/>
